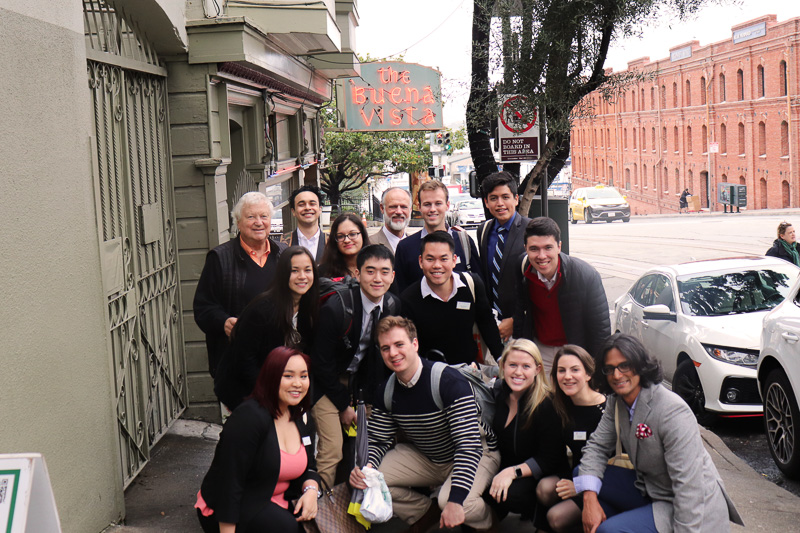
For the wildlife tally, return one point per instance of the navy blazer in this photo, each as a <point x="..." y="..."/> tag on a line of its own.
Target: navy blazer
<point x="406" y="260"/>
<point x="513" y="251"/>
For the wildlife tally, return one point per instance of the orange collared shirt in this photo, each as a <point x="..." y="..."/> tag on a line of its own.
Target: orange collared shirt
<point x="260" y="261"/>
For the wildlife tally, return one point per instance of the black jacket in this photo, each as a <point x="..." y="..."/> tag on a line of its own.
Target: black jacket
<point x="330" y="355"/>
<point x="406" y="260"/>
<point x="223" y="291"/>
<point x="513" y="251"/>
<point x="777" y="250"/>
<point x="246" y="464"/>
<point x="582" y="303"/>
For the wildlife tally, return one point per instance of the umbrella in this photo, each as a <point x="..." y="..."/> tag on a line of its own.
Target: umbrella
<point x="362" y="456"/>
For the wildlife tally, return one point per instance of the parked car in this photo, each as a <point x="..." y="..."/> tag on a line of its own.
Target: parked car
<point x="455" y="199"/>
<point x="469" y="213"/>
<point x="598" y="203"/>
<point x="276" y="224"/>
<point x="702" y="321"/>
<point x="779" y="379"/>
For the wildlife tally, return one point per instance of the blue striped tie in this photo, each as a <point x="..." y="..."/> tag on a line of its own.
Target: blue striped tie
<point x="497" y="261"/>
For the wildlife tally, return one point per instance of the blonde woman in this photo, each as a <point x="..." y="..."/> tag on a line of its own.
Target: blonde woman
<point x="528" y="431"/>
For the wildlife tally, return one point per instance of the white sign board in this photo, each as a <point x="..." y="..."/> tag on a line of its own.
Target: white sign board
<point x="26" y="497"/>
<point x="713" y="148"/>
<point x="518" y="131"/>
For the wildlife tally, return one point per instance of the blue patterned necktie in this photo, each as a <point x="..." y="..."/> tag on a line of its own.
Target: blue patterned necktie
<point x="497" y="261"/>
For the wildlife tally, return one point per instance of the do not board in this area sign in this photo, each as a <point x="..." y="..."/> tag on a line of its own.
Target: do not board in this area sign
<point x="518" y="130"/>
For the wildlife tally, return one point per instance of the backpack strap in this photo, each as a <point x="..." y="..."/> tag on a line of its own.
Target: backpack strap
<point x="388" y="392"/>
<point x="436" y="378"/>
<point x="470" y="283"/>
<point x="346" y="298"/>
<point x="524" y="263"/>
<point x="483" y="233"/>
<point x="464" y="238"/>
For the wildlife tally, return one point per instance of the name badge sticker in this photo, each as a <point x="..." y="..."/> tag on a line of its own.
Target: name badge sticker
<point x="463" y="306"/>
<point x="579" y="435"/>
<point x="306" y="441"/>
<point x="458" y="259"/>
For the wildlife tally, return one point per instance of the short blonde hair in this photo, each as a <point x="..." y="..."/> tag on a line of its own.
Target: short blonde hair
<point x="533" y="397"/>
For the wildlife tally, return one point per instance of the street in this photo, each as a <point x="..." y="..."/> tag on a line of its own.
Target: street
<point x="622" y="252"/>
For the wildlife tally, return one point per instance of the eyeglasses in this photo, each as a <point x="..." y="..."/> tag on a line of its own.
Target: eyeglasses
<point x="624" y="368"/>
<point x="353" y="235"/>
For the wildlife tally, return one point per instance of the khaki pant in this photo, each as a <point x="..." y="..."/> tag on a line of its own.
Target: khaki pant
<point x="331" y="439"/>
<point x="405" y="466"/>
<point x="548" y="356"/>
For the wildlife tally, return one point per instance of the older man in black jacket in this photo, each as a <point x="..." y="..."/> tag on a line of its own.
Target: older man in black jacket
<point x="561" y="299"/>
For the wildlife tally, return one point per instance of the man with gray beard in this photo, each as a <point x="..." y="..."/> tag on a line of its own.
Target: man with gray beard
<point x="396" y="209"/>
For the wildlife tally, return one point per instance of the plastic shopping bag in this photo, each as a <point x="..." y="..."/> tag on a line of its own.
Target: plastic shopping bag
<point x="377" y="504"/>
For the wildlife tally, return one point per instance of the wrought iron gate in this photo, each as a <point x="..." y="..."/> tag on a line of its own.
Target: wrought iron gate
<point x="135" y="211"/>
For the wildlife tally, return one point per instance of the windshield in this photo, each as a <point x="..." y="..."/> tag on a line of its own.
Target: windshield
<point x="730" y="293"/>
<point x="470" y="204"/>
<point x="593" y="194"/>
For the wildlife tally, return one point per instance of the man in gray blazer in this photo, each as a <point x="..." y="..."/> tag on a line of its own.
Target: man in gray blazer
<point x="396" y="210"/>
<point x="503" y="233"/>
<point x="677" y="485"/>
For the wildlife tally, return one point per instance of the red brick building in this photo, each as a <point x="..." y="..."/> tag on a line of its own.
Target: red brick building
<point x="732" y="107"/>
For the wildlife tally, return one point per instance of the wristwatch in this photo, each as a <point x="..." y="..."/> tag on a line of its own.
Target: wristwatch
<point x="517" y="472"/>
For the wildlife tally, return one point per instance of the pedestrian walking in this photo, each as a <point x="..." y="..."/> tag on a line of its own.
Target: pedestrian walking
<point x="683" y="202"/>
<point x="785" y="246"/>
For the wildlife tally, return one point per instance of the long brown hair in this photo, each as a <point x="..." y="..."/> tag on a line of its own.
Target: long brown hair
<point x="333" y="264"/>
<point x="561" y="401"/>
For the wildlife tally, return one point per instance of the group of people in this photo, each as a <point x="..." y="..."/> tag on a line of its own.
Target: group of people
<point x="310" y="325"/>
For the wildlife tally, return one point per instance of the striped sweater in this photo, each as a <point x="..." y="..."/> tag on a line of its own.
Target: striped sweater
<point x="450" y="435"/>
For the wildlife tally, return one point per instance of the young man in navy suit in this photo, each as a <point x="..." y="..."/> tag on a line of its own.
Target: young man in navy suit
<point x="306" y="203"/>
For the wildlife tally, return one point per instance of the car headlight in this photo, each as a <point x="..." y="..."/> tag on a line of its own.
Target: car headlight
<point x="736" y="356"/>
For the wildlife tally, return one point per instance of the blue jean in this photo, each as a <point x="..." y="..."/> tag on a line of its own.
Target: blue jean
<point x="627" y="511"/>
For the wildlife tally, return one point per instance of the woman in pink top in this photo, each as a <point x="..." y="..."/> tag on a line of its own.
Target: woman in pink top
<point x="265" y="456"/>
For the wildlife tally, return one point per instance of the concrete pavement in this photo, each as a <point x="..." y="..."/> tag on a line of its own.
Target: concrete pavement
<point x="161" y="498"/>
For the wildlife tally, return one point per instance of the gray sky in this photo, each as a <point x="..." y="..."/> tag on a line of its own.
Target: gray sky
<point x="437" y="33"/>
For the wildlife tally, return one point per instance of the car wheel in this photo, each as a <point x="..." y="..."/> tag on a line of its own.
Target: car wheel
<point x="610" y="220"/>
<point x="570" y="217"/>
<point x="686" y="384"/>
<point x="626" y="219"/>
<point x="587" y="216"/>
<point x="781" y="417"/>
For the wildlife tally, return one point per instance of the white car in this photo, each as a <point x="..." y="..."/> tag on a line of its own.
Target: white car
<point x="778" y="379"/>
<point x="702" y="321"/>
<point x="469" y="213"/>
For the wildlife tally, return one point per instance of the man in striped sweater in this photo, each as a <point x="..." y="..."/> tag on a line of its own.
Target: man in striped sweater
<point x="448" y="445"/>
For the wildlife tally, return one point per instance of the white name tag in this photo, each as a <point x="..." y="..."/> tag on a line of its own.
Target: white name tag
<point x="579" y="435"/>
<point x="306" y="441"/>
<point x="463" y="306"/>
<point x="458" y="259"/>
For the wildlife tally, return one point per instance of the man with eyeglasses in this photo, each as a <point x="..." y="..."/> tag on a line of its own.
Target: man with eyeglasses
<point x="344" y="355"/>
<point x="560" y="299"/>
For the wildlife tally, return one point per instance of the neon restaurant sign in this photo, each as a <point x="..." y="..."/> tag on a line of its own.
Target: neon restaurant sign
<point x="391" y="96"/>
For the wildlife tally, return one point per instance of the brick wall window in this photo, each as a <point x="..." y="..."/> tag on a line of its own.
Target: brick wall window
<point x="594" y="138"/>
<point x="723" y="139"/>
<point x="675" y="142"/>
<point x="652" y="97"/>
<point x="762" y="139"/>
<point x="663" y="97"/>
<point x="782" y="78"/>
<point x="784" y="139"/>
<point x="741" y="138"/>
<point x="624" y="103"/>
<point x="641" y="100"/>
<point x="653" y="138"/>
<point x="677" y="181"/>
<point x="608" y="137"/>
<point x="644" y="140"/>
<point x="724" y="178"/>
<point x="674" y="94"/>
<point x="762" y="186"/>
<point x="722" y="93"/>
<point x="688" y="93"/>
<point x="610" y="175"/>
<point x="635" y="176"/>
<point x="689" y="139"/>
<point x="664" y="139"/>
<point x="705" y="139"/>
<point x="627" y="179"/>
<point x="633" y="137"/>
<point x="785" y="197"/>
<point x="703" y="90"/>
<point x="760" y="81"/>
<point x="625" y="138"/>
<point x="633" y="100"/>
<point x="664" y="181"/>
<point x="644" y="176"/>
<point x="740" y="84"/>
<point x="688" y="179"/>
<point x="742" y="180"/>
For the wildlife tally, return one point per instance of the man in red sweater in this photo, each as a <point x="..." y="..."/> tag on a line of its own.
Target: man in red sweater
<point x="561" y="298"/>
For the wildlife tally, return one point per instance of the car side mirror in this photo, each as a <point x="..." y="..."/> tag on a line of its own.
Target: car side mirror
<point x="659" y="312"/>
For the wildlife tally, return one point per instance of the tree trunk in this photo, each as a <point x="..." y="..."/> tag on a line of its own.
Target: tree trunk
<point x="480" y="99"/>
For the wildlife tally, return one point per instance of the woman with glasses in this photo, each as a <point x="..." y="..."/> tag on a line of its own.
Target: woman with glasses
<point x="524" y="411"/>
<point x="285" y="315"/>
<point x="348" y="236"/>
<point x="677" y="486"/>
<point x="579" y="408"/>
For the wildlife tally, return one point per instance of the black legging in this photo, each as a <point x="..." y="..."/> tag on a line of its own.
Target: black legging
<point x="271" y="518"/>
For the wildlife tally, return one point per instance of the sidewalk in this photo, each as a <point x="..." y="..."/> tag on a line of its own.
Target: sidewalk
<point x="162" y="497"/>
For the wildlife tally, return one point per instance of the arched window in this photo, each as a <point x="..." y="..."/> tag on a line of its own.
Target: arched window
<point x="760" y="81"/>
<point x="675" y="142"/>
<point x="610" y="175"/>
<point x="628" y="179"/>
<point x="740" y="84"/>
<point x="689" y="178"/>
<point x="689" y="139"/>
<point x="625" y="138"/>
<point x="724" y="178"/>
<point x="677" y="181"/>
<point x="762" y="138"/>
<point x="703" y="90"/>
<point x="741" y="138"/>
<point x="652" y="97"/>
<point x="635" y="176"/>
<point x="641" y="100"/>
<point x="663" y="97"/>
<point x="785" y="197"/>
<point x="633" y="137"/>
<point x="644" y="140"/>
<point x="674" y="94"/>
<point x="644" y="176"/>
<point x="762" y="187"/>
<point x="723" y="139"/>
<point x="705" y="139"/>
<point x="624" y="103"/>
<point x="664" y="139"/>
<point x="742" y="180"/>
<point x="653" y="138"/>
<point x="784" y="139"/>
<point x="782" y="78"/>
<point x="722" y="87"/>
<point x="688" y="93"/>
<point x="664" y="181"/>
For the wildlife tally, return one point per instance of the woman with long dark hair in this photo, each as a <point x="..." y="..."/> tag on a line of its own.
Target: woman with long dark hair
<point x="348" y="236"/>
<point x="579" y="408"/>
<point x="524" y="411"/>
<point x="282" y="316"/>
<point x="265" y="456"/>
